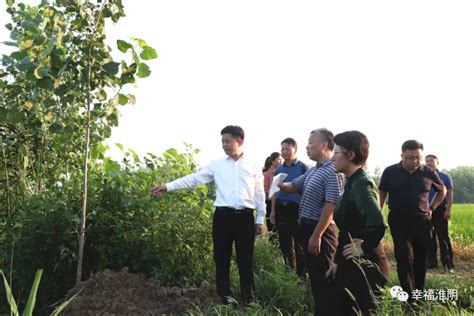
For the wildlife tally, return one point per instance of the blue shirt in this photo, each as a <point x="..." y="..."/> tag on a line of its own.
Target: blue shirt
<point x="447" y="183"/>
<point x="318" y="185"/>
<point x="296" y="169"/>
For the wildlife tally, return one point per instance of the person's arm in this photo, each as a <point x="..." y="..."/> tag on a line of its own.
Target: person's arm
<point x="441" y="188"/>
<point x="383" y="197"/>
<point x="259" y="202"/>
<point x="314" y="243"/>
<point x="449" y="198"/>
<point x="273" y="212"/>
<point x="204" y="175"/>
<point x="366" y="200"/>
<point x="384" y="187"/>
<point x="267" y="180"/>
<point x="288" y="187"/>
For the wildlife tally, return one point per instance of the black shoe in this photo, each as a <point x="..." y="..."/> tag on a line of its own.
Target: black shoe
<point x="228" y="300"/>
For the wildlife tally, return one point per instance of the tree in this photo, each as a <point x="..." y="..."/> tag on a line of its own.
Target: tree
<point x="55" y="88"/>
<point x="463" y="182"/>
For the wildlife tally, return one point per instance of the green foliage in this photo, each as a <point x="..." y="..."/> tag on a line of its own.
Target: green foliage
<point x="30" y="304"/>
<point x="463" y="182"/>
<point x="277" y="286"/>
<point x="460" y="225"/>
<point x="168" y="237"/>
<point x="45" y="85"/>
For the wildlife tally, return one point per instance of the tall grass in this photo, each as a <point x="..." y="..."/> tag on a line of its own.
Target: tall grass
<point x="280" y="292"/>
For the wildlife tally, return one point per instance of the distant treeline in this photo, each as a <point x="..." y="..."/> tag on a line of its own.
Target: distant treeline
<point x="463" y="183"/>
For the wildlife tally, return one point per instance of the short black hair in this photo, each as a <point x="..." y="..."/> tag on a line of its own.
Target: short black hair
<point x="290" y="141"/>
<point x="234" y="130"/>
<point x="356" y="142"/>
<point x="411" y="144"/>
<point x="431" y="156"/>
<point x="325" y="135"/>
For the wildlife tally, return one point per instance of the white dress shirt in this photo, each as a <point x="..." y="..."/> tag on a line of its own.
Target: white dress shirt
<point x="239" y="184"/>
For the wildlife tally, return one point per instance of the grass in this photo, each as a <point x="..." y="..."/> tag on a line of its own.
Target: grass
<point x="279" y="292"/>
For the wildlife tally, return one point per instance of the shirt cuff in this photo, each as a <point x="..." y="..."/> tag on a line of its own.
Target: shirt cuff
<point x="259" y="219"/>
<point x="170" y="187"/>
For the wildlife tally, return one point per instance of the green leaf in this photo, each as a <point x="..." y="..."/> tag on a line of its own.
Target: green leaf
<point x="10" y="3"/>
<point x="9" y="26"/>
<point x="126" y="78"/>
<point x="38" y="72"/>
<point x="111" y="166"/>
<point x="9" y="295"/>
<point x="49" y="102"/>
<point x="45" y="83"/>
<point x="61" y="307"/>
<point x="143" y="70"/>
<point x="30" y="306"/>
<point x="3" y="115"/>
<point x="123" y="46"/>
<point x="17" y="55"/>
<point x="122" y="99"/>
<point x="26" y="44"/>
<point x="55" y="128"/>
<point x="13" y="116"/>
<point x="10" y="43"/>
<point x="111" y="68"/>
<point x="101" y="95"/>
<point x="148" y="53"/>
<point x="141" y="43"/>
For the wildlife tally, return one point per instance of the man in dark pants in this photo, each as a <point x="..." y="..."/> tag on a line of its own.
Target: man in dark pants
<point x="440" y="219"/>
<point x="407" y="184"/>
<point x="239" y="184"/>
<point x="320" y="187"/>
<point x="285" y="209"/>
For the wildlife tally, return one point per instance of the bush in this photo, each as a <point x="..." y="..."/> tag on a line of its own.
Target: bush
<point x="169" y="237"/>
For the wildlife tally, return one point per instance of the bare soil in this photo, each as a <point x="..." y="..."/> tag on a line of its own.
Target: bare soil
<point x="124" y="293"/>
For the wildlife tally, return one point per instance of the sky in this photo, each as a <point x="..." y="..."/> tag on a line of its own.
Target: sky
<point x="395" y="70"/>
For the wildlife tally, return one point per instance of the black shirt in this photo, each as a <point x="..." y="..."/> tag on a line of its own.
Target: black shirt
<point x="409" y="191"/>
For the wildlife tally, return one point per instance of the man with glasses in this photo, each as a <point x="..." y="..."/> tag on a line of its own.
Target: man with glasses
<point x="320" y="188"/>
<point x="408" y="184"/>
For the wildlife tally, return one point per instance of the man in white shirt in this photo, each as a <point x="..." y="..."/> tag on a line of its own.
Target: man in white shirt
<point x="239" y="191"/>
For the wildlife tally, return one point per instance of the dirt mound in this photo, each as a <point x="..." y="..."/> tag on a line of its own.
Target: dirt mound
<point x="123" y="293"/>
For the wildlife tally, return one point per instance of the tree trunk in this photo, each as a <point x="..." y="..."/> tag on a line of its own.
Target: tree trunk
<point x="82" y="231"/>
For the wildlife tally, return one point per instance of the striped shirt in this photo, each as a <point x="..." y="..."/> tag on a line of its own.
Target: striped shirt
<point x="318" y="185"/>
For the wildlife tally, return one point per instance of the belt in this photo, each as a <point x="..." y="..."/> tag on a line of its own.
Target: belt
<point x="232" y="210"/>
<point x="307" y="221"/>
<point x="287" y="203"/>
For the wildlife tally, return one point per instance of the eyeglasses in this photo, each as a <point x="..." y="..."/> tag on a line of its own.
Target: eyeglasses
<point x="413" y="158"/>
<point x="339" y="152"/>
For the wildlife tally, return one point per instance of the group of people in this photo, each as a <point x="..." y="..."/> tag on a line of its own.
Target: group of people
<point x="346" y="266"/>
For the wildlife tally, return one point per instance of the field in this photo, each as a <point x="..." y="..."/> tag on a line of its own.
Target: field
<point x="280" y="292"/>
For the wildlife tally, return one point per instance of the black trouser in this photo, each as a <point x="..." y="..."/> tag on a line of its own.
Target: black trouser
<point x="440" y="225"/>
<point x="231" y="226"/>
<point x="290" y="241"/>
<point x="323" y="291"/>
<point x="411" y="240"/>
<point x="362" y="278"/>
